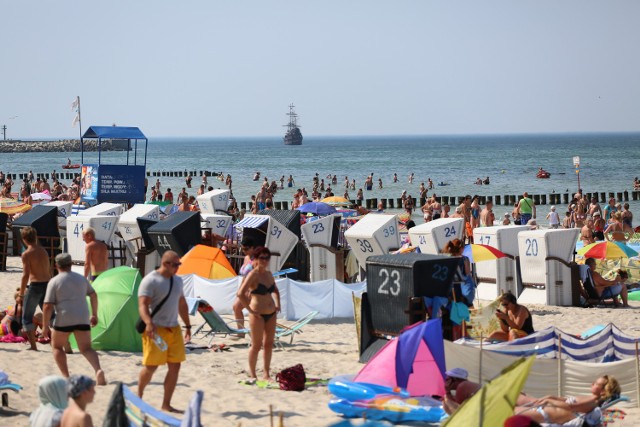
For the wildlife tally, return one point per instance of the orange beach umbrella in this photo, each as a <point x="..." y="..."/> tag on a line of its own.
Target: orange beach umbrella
<point x="207" y="262"/>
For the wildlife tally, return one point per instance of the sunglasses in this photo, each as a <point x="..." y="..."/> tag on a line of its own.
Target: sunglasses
<point x="173" y="264"/>
<point x="504" y="304"/>
<point x="264" y="257"/>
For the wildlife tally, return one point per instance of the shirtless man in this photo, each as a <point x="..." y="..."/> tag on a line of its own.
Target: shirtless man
<point x="600" y="284"/>
<point x="465" y="208"/>
<point x="594" y="207"/>
<point x="487" y="217"/>
<point x="96" y="255"/>
<point x="35" y="271"/>
<point x="586" y="233"/>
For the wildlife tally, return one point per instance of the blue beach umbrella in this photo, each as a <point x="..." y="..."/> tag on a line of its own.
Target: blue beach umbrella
<point x="317" y="208"/>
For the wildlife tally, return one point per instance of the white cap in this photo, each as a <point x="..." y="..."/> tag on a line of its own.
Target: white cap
<point x="553" y="208"/>
<point x="457" y="373"/>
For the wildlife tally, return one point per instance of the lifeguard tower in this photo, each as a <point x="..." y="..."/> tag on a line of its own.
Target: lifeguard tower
<point x="114" y="183"/>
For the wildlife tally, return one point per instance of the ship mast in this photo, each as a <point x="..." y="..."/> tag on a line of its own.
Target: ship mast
<point x="293" y="118"/>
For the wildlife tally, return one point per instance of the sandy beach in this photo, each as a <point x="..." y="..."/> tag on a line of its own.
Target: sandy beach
<point x="326" y="348"/>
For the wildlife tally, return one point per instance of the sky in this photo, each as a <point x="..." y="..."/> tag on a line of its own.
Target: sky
<point x="356" y="67"/>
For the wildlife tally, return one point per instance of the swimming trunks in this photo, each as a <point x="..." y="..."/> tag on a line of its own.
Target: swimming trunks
<point x="263" y="290"/>
<point x="72" y="328"/>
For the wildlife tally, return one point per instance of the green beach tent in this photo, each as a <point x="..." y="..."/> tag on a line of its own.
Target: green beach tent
<point x="117" y="291"/>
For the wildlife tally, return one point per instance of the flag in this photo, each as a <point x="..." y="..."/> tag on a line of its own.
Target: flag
<point x="75" y="121"/>
<point x="75" y="103"/>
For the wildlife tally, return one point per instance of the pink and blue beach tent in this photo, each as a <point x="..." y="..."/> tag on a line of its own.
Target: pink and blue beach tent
<point x="414" y="361"/>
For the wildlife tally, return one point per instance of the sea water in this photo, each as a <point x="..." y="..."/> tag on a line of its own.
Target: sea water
<point x="608" y="163"/>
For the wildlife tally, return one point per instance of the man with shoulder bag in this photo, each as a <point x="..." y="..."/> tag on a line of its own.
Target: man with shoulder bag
<point x="160" y="301"/>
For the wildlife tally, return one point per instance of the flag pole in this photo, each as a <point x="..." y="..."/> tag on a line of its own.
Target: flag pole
<point x="79" y="119"/>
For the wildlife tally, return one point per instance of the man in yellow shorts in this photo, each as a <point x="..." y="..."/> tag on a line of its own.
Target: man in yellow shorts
<point x="163" y="288"/>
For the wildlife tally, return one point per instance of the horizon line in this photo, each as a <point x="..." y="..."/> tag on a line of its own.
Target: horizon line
<point x="528" y="133"/>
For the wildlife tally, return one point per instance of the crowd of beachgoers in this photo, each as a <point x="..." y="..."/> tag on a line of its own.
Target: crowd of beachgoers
<point x="612" y="221"/>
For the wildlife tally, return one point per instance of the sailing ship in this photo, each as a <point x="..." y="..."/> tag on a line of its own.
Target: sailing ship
<point x="293" y="135"/>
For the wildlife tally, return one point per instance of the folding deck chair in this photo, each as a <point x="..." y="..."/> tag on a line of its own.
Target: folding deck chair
<point x="590" y="294"/>
<point x="126" y="408"/>
<point x="284" y="331"/>
<point x="222" y="327"/>
<point x="218" y="325"/>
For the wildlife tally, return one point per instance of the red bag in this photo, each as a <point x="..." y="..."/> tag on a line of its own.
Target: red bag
<point x="292" y="378"/>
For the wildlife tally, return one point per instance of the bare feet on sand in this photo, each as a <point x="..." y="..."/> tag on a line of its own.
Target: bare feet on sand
<point x="172" y="410"/>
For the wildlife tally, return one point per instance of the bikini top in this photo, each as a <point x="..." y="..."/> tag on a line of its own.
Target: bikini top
<point x="246" y="269"/>
<point x="263" y="290"/>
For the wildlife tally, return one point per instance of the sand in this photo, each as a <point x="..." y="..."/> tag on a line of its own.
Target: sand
<point x="325" y="348"/>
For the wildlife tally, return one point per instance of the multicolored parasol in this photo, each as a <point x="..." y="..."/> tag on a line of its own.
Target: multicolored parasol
<point x="336" y="201"/>
<point x="607" y="250"/>
<point x="479" y="253"/>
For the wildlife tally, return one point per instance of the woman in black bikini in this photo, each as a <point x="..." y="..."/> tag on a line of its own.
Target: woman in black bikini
<point x="260" y="296"/>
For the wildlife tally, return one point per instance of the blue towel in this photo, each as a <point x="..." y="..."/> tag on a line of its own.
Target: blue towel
<point x="459" y="312"/>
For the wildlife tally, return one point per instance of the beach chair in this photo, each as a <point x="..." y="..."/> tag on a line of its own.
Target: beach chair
<point x="614" y="402"/>
<point x="218" y="325"/>
<point x="126" y="408"/>
<point x="289" y="331"/>
<point x="589" y="291"/>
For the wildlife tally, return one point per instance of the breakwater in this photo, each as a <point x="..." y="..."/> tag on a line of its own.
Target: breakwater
<point x="62" y="145"/>
<point x="505" y="200"/>
<point x="392" y="203"/>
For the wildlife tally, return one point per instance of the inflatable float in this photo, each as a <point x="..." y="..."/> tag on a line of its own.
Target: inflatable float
<point x="70" y="166"/>
<point x="376" y="402"/>
<point x="391" y="408"/>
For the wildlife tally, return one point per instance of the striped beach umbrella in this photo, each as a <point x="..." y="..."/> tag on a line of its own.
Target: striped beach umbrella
<point x="12" y="206"/>
<point x="479" y="253"/>
<point x="336" y="201"/>
<point x="607" y="250"/>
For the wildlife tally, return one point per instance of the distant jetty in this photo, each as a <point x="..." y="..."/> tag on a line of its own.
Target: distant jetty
<point x="63" y="145"/>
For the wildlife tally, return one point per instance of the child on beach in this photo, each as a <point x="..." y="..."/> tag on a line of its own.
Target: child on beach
<point x="554" y="218"/>
<point x="81" y="391"/>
